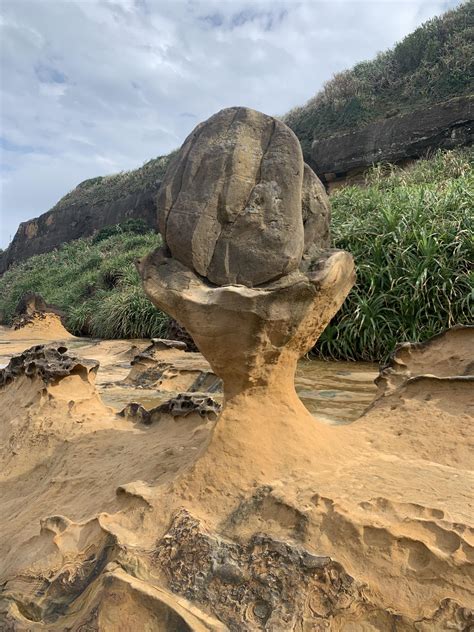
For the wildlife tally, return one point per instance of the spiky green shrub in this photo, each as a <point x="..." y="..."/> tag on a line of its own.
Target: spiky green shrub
<point x="411" y="235"/>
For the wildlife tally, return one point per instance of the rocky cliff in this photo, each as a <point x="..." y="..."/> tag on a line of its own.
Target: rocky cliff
<point x="92" y="205"/>
<point x="408" y="136"/>
<point x="56" y="227"/>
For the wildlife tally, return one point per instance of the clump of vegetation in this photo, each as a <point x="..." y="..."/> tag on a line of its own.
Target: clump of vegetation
<point x="431" y="64"/>
<point x="137" y="226"/>
<point x="94" y="282"/>
<point x="410" y="232"/>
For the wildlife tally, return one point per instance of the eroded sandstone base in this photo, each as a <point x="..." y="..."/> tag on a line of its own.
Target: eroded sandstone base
<point x="120" y="523"/>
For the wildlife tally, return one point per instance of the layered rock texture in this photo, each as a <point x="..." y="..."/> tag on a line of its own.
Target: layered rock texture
<point x="103" y="529"/>
<point x="399" y="138"/>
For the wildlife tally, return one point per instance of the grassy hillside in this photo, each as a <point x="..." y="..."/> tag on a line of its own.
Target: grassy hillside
<point x="94" y="281"/>
<point x="432" y="64"/>
<point x="410" y="233"/>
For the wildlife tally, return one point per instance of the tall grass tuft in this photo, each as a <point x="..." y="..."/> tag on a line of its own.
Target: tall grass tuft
<point x="411" y="235"/>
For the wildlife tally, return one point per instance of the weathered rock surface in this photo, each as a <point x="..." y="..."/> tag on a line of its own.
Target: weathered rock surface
<point x="168" y="367"/>
<point x="32" y="302"/>
<point x="230" y="203"/>
<point x="406" y="136"/>
<point x="316" y="213"/>
<point x="175" y="331"/>
<point x="374" y="535"/>
<point x="276" y="585"/>
<point x="185" y="404"/>
<point x="50" y="363"/>
<point x="182" y="405"/>
<point x="447" y="355"/>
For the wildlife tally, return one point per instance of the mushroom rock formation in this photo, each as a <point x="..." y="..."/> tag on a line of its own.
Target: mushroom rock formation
<point x="266" y="518"/>
<point x="247" y="270"/>
<point x="283" y="522"/>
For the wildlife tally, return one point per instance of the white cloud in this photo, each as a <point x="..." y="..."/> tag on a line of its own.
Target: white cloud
<point x="94" y="86"/>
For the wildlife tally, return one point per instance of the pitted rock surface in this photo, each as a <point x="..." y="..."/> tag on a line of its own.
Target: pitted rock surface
<point x="183" y="404"/>
<point x="180" y="406"/>
<point x="175" y="331"/>
<point x="230" y="203"/>
<point x="265" y="584"/>
<point x="274" y="585"/>
<point x="48" y="362"/>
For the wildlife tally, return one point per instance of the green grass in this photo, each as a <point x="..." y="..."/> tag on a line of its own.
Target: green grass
<point x="95" y="282"/>
<point x="411" y="235"/>
<point x="432" y="64"/>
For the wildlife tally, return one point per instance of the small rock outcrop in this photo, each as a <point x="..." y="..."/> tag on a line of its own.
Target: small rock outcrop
<point x="32" y="302"/>
<point x="50" y="363"/>
<point x="32" y="308"/>
<point x="446" y="356"/>
<point x="185" y="404"/>
<point x="182" y="405"/>
<point x="166" y="365"/>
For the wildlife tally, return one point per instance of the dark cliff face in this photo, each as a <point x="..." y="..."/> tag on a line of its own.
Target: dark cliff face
<point x="404" y="137"/>
<point x="92" y="205"/>
<point x="73" y="221"/>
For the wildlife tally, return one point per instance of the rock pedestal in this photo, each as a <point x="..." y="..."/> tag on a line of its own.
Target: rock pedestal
<point x="246" y="268"/>
<point x="252" y="337"/>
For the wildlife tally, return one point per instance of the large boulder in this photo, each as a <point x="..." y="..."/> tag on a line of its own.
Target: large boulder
<point x="230" y="205"/>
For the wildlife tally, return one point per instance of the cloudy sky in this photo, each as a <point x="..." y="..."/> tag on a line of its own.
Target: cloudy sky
<point x="91" y="87"/>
